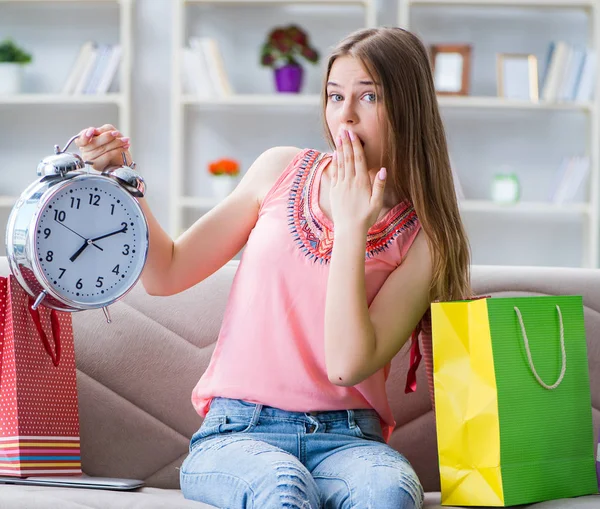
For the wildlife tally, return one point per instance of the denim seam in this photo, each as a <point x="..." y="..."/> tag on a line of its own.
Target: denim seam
<point x="206" y="474"/>
<point x="336" y="478"/>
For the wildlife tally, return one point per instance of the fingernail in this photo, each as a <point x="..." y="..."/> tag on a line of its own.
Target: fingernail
<point x="125" y="140"/>
<point x="352" y="135"/>
<point x="339" y="141"/>
<point x="382" y="174"/>
<point x="89" y="133"/>
<point x="115" y="133"/>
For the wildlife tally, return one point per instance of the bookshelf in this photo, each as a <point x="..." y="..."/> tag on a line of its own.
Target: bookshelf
<point x="539" y="133"/>
<point x="33" y="121"/>
<point x="203" y="129"/>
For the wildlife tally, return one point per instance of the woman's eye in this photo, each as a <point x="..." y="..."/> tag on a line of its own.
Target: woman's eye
<point x="372" y="97"/>
<point x="335" y="97"/>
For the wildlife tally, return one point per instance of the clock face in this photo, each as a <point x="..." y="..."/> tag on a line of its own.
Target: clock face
<point x="90" y="241"/>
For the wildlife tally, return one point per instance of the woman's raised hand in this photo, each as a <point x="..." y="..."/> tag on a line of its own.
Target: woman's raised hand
<point x="103" y="146"/>
<point x="355" y="201"/>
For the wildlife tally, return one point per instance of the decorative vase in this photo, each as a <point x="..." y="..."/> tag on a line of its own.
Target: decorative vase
<point x="222" y="185"/>
<point x="11" y="78"/>
<point x="289" y="78"/>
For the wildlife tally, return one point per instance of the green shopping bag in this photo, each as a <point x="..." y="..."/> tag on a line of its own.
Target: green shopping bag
<point x="513" y="403"/>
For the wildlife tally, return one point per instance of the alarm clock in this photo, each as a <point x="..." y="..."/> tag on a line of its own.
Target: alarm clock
<point x="77" y="238"/>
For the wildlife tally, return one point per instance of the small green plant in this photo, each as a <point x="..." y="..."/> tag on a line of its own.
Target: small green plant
<point x="11" y="53"/>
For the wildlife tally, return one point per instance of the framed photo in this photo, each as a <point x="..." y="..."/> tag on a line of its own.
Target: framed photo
<point x="451" y="68"/>
<point x="518" y="76"/>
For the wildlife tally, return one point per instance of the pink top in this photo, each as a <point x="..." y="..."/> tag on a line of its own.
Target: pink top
<point x="271" y="345"/>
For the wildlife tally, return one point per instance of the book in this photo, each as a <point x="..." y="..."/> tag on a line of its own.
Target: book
<point x="110" y="71"/>
<point x="81" y="62"/>
<point x="196" y="78"/>
<point x="215" y="66"/>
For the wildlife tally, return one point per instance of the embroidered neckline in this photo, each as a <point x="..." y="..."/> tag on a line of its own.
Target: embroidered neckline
<point x="312" y="230"/>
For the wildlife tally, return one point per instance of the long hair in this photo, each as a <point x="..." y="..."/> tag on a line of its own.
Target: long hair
<point x="418" y="161"/>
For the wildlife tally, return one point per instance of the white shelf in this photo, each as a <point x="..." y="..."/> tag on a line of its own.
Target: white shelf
<point x="567" y="4"/>
<point x="279" y="2"/>
<point x="533" y="208"/>
<point x="255" y="100"/>
<point x="586" y="213"/>
<point x="61" y="98"/>
<point x="108" y="103"/>
<point x="180" y="103"/>
<point x="7" y="201"/>
<point x="501" y="103"/>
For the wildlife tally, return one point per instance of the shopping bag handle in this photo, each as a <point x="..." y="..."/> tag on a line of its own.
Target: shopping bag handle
<point x="562" y="348"/>
<point x="3" y="306"/>
<point x="35" y="315"/>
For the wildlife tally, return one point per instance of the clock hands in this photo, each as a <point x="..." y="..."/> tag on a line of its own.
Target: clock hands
<point x="122" y="230"/>
<point x="80" y="250"/>
<point x="79" y="235"/>
<point x="92" y="241"/>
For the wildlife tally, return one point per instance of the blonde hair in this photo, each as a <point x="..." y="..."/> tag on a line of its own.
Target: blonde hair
<point x="419" y="165"/>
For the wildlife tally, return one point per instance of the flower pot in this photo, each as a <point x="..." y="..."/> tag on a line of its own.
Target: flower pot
<point x="222" y="185"/>
<point x="289" y="78"/>
<point x="11" y="78"/>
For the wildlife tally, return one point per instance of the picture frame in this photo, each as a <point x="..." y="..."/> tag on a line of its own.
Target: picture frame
<point x="451" y="66"/>
<point x="518" y="76"/>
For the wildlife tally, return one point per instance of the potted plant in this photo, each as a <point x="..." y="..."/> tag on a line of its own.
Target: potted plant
<point x="223" y="173"/>
<point x="282" y="50"/>
<point x="12" y="61"/>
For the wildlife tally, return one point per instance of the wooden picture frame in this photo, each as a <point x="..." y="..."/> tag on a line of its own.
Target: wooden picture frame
<point x="517" y="75"/>
<point x="451" y="66"/>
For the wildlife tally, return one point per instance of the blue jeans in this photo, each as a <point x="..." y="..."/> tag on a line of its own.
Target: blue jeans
<point x="253" y="456"/>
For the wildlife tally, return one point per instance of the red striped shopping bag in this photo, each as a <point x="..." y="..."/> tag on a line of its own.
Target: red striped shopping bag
<point x="39" y="420"/>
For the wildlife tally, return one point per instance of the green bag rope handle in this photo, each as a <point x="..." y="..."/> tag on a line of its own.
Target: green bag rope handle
<point x="562" y="347"/>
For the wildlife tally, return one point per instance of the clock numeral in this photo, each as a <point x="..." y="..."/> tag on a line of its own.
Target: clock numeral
<point x="62" y="272"/>
<point x="124" y="225"/>
<point x="47" y="232"/>
<point x="95" y="200"/>
<point x="126" y="248"/>
<point x="79" y="284"/>
<point x="116" y="270"/>
<point x="99" y="282"/>
<point x="49" y="256"/>
<point x="112" y="209"/>
<point x="75" y="201"/>
<point x="60" y="215"/>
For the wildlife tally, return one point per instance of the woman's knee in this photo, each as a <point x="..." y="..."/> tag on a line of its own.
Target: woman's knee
<point x="394" y="486"/>
<point x="237" y="472"/>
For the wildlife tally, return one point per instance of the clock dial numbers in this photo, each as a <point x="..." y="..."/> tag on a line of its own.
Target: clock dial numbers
<point x="88" y="240"/>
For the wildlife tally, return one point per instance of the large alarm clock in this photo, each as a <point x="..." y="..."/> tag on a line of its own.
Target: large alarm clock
<point x="77" y="238"/>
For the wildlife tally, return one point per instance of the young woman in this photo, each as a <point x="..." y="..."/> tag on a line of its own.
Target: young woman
<point x="344" y="253"/>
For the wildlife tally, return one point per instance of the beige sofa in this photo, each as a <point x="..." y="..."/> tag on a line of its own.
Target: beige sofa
<point x="135" y="377"/>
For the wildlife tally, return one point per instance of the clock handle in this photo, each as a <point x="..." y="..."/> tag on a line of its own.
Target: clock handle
<point x="57" y="149"/>
<point x="106" y="314"/>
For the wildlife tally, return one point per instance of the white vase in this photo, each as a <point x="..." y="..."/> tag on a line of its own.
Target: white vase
<point x="222" y="185"/>
<point x="11" y="78"/>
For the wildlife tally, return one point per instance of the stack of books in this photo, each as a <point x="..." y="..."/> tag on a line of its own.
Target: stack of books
<point x="94" y="69"/>
<point x="203" y="71"/>
<point x="570" y="73"/>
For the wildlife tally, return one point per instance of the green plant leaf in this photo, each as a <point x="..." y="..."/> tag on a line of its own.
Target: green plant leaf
<point x="11" y="53"/>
